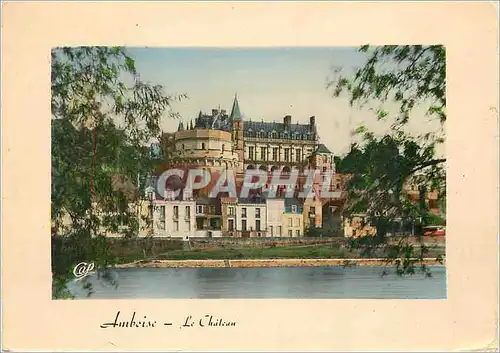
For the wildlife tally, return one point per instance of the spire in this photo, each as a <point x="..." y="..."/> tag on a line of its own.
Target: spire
<point x="180" y="127"/>
<point x="235" y="112"/>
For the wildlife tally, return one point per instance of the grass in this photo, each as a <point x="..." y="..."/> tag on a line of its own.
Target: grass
<point x="285" y="252"/>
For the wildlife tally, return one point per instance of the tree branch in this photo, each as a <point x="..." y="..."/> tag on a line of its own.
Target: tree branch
<point x="428" y="164"/>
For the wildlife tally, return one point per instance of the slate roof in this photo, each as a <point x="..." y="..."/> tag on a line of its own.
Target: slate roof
<point x="218" y="121"/>
<point x="293" y="202"/>
<point x="235" y="112"/>
<point x="322" y="149"/>
<point x="251" y="200"/>
<point x="278" y="130"/>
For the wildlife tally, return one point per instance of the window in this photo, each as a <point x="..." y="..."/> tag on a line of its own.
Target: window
<point x="297" y="222"/>
<point x="188" y="224"/>
<point x="200" y="209"/>
<point x="294" y="208"/>
<point x="287" y="155"/>
<point x="176" y="211"/>
<point x="275" y="153"/>
<point x="202" y="146"/>
<point x="176" y="226"/>
<point x="162" y="212"/>
<point x="312" y="210"/>
<point x="324" y="169"/>
<point x="298" y="155"/>
<point x="290" y="222"/>
<point x="223" y="148"/>
<point x="251" y="152"/>
<point x="271" y="230"/>
<point x="230" y="225"/>
<point x="257" y="225"/>
<point x="263" y="153"/>
<point x="243" y="213"/>
<point x="297" y="233"/>
<point x="290" y="233"/>
<point x="257" y="213"/>
<point x="338" y="186"/>
<point x="230" y="210"/>
<point x="244" y="225"/>
<point x="279" y="231"/>
<point x="188" y="211"/>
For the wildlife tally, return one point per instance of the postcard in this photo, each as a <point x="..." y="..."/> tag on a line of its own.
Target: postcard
<point x="257" y="176"/>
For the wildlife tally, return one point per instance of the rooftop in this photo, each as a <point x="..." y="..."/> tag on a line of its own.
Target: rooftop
<point x="275" y="130"/>
<point x="322" y="149"/>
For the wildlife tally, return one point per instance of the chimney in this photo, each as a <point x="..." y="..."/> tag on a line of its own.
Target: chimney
<point x="287" y="120"/>
<point x="312" y="120"/>
<point x="223" y="111"/>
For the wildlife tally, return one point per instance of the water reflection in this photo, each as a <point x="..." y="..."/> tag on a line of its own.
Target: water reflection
<point x="303" y="282"/>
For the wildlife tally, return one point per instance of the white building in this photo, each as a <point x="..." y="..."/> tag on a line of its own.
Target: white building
<point x="275" y="209"/>
<point x="251" y="218"/>
<point x="174" y="218"/>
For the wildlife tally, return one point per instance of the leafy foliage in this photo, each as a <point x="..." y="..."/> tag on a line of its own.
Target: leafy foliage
<point x="408" y="75"/>
<point x="103" y="119"/>
<point x="382" y="168"/>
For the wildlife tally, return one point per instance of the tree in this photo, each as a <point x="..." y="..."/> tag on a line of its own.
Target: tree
<point x="381" y="166"/>
<point x="103" y="119"/>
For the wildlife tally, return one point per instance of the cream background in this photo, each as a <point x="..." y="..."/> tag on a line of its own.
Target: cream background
<point x="468" y="319"/>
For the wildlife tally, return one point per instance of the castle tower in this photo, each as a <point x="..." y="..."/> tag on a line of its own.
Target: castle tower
<point x="237" y="133"/>
<point x="322" y="159"/>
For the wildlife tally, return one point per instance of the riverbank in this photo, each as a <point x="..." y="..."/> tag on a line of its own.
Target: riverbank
<point x="263" y="263"/>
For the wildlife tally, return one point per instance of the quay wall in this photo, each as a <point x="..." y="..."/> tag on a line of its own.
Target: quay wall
<point x="262" y="263"/>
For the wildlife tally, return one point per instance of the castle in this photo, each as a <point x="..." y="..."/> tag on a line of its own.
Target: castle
<point x="220" y="141"/>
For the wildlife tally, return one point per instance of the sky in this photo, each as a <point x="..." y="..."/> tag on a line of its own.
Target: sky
<point x="269" y="82"/>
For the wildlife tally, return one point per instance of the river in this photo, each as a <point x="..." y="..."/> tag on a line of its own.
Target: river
<point x="285" y="282"/>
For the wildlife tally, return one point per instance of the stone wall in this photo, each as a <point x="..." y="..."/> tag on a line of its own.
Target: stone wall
<point x="204" y="243"/>
<point x="231" y="242"/>
<point x="263" y="263"/>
